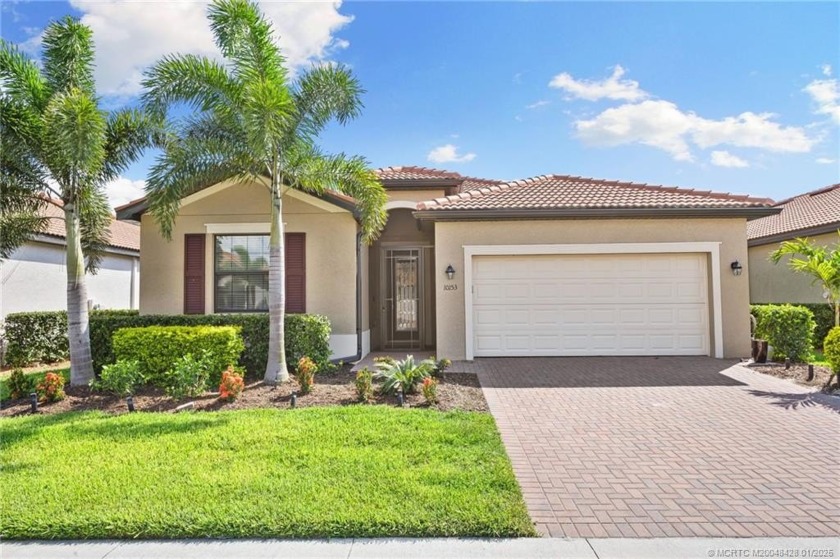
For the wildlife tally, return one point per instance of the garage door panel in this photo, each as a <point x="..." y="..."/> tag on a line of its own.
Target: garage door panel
<point x="591" y="305"/>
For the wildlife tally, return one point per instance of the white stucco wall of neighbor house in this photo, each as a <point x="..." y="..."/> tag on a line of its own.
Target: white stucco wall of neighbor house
<point x="34" y="278"/>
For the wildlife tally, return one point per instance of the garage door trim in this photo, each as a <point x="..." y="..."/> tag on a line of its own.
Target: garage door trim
<point x="710" y="248"/>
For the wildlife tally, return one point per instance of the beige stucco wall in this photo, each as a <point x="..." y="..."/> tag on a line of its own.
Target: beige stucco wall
<point x="418" y="195"/>
<point x="330" y="251"/>
<point x="451" y="237"/>
<point x="777" y="283"/>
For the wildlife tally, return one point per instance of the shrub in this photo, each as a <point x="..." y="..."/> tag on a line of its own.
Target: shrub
<point x="306" y="334"/>
<point x="158" y="348"/>
<point x="429" y="387"/>
<point x="831" y="349"/>
<point x="121" y="378"/>
<point x="823" y="316"/>
<point x="51" y="389"/>
<point x="305" y="372"/>
<point x="188" y="376"/>
<point x="232" y="385"/>
<point x="364" y="385"/>
<point x="20" y="384"/>
<point x="36" y="337"/>
<point x="440" y="366"/>
<point x="789" y="329"/>
<point x="403" y="375"/>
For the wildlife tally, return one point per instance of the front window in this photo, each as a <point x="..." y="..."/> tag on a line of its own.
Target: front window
<point x="241" y="273"/>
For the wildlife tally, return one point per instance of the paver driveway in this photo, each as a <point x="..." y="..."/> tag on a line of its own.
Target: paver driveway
<point x="669" y="446"/>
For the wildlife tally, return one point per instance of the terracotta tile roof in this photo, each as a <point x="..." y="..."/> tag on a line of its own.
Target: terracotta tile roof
<point x="415" y="173"/>
<point x="565" y="192"/>
<point x="472" y="183"/>
<point x="123" y="234"/>
<point x="813" y="209"/>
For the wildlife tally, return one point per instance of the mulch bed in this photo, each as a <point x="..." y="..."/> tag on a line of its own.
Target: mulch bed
<point x="460" y="391"/>
<point x="798" y="373"/>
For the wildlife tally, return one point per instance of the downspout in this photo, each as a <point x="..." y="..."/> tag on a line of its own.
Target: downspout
<point x="358" y="356"/>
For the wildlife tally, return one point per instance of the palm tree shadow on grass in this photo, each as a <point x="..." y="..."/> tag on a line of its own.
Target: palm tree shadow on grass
<point x="797" y="401"/>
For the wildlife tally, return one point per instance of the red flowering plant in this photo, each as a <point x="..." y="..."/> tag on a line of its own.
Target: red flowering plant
<point x="306" y="369"/>
<point x="232" y="385"/>
<point x="430" y="389"/>
<point x="51" y="389"/>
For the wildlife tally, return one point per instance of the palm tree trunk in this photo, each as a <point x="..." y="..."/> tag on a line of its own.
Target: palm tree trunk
<point x="81" y="365"/>
<point x="275" y="367"/>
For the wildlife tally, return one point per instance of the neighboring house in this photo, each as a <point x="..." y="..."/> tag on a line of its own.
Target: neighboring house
<point x="815" y="215"/>
<point x="551" y="265"/>
<point x="35" y="276"/>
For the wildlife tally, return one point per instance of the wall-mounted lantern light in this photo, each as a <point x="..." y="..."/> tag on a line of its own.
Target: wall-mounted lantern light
<point x="736" y="268"/>
<point x="450" y="271"/>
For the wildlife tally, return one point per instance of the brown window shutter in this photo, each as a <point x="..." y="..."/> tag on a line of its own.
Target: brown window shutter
<point x="194" y="247"/>
<point x="296" y="272"/>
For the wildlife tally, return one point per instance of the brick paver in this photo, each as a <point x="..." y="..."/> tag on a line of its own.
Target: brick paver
<point x="665" y="447"/>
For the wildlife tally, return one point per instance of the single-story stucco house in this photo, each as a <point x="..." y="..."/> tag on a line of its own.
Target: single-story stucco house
<point x="815" y="215"/>
<point x="35" y="276"/>
<point x="551" y="265"/>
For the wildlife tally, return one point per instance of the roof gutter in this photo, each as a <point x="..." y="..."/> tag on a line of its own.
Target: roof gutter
<point x="788" y="235"/>
<point x="589" y="213"/>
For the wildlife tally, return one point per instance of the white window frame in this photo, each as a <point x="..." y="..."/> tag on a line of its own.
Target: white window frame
<point x="710" y="248"/>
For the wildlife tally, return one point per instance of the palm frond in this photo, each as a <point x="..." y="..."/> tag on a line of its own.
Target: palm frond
<point x="245" y="37"/>
<point x="68" y="56"/>
<point x="314" y="172"/>
<point x="95" y="218"/>
<point x="803" y="246"/>
<point x="197" y="81"/>
<point x="21" y="78"/>
<point x="21" y="215"/>
<point x="186" y="166"/>
<point x="324" y="93"/>
<point x="128" y="132"/>
<point x="74" y="139"/>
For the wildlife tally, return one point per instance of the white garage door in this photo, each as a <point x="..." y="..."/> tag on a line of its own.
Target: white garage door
<point x="604" y="304"/>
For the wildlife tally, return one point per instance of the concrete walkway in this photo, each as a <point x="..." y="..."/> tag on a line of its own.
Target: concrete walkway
<point x="444" y="548"/>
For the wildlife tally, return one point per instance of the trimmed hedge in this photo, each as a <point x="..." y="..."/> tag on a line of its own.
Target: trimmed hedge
<point x="831" y="349"/>
<point x="36" y="337"/>
<point x="788" y="329"/>
<point x="41" y="337"/>
<point x="306" y="334"/>
<point x="823" y="316"/>
<point x="157" y="348"/>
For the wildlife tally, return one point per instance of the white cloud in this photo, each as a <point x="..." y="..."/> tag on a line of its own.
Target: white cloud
<point x="612" y="87"/>
<point x="449" y="154"/>
<point x="825" y="160"/>
<point x="826" y="95"/>
<point x="122" y="190"/>
<point x="726" y="159"/>
<point x="658" y="124"/>
<point x="663" y="125"/>
<point x="826" y="70"/>
<point x="130" y="36"/>
<point x="538" y="104"/>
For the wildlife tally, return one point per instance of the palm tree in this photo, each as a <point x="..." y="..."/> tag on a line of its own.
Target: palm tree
<point x="251" y="123"/>
<point x="59" y="148"/>
<point x="822" y="264"/>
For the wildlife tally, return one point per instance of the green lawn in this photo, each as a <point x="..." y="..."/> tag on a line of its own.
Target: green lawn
<point x="335" y="472"/>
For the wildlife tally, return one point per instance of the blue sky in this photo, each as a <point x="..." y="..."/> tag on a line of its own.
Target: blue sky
<point x="723" y="96"/>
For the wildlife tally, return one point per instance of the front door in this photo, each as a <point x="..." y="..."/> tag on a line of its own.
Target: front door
<point x="402" y="309"/>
